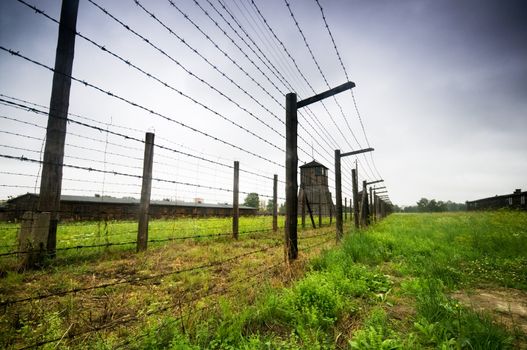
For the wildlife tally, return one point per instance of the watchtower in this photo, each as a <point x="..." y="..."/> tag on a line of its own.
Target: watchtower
<point x="314" y="185"/>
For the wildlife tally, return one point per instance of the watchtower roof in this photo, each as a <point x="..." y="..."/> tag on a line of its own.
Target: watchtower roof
<point x="313" y="164"/>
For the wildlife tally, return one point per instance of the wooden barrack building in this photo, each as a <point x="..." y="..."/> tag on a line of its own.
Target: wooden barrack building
<point x="81" y="208"/>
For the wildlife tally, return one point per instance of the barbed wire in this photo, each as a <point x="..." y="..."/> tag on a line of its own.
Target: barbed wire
<point x="327" y="84"/>
<point x="113" y="172"/>
<point x="172" y="32"/>
<point x="281" y="78"/>
<point x="134" y="104"/>
<point x="103" y="48"/>
<point x="225" y="54"/>
<point x="239" y="48"/>
<point x="139" y="279"/>
<point x="308" y="110"/>
<point x="348" y="79"/>
<point x="25" y="107"/>
<point x="134" y="318"/>
<point x="152" y="240"/>
<point x="268" y="64"/>
<point x="96" y="150"/>
<point x="164" y="53"/>
<point x="36" y="111"/>
<point x="213" y="291"/>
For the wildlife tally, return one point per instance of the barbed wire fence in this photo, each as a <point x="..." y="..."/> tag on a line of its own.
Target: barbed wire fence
<point x="211" y="88"/>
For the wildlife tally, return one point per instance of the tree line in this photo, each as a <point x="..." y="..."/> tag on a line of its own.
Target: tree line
<point x="425" y="205"/>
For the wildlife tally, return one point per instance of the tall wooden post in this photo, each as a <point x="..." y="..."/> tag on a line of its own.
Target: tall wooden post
<point x="146" y="188"/>
<point x="236" y="200"/>
<point x="330" y="204"/>
<point x="375" y="204"/>
<point x="338" y="195"/>
<point x="345" y="209"/>
<point x="319" y="209"/>
<point x="302" y="207"/>
<point x="51" y="180"/>
<point x="356" y="204"/>
<point x="364" y="207"/>
<point x="291" y="172"/>
<point x="370" y="207"/>
<point x="275" y="203"/>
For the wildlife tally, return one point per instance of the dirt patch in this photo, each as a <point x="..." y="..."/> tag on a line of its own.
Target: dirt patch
<point x="508" y="306"/>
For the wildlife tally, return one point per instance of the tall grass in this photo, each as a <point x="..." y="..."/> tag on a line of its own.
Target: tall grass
<point x="431" y="255"/>
<point x="351" y="297"/>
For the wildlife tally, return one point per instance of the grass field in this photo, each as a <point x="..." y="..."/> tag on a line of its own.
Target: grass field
<point x="413" y="281"/>
<point x="89" y="240"/>
<point x="113" y="293"/>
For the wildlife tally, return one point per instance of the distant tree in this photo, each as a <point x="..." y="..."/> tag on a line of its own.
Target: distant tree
<point x="422" y="205"/>
<point x="434" y="206"/>
<point x="397" y="209"/>
<point x="252" y="200"/>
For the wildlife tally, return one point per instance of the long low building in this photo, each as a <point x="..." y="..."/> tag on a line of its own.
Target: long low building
<point x="111" y="208"/>
<point x="516" y="200"/>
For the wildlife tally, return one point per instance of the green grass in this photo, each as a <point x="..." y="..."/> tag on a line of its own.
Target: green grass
<point x="353" y="294"/>
<point x="387" y="287"/>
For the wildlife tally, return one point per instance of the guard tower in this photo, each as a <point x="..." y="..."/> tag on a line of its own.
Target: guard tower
<point x="314" y="185"/>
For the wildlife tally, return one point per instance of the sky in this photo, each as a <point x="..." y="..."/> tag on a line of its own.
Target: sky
<point x="441" y="94"/>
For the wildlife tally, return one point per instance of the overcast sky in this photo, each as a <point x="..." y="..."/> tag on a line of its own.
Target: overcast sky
<point x="441" y="90"/>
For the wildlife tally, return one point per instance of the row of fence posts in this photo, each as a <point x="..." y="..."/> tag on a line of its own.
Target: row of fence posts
<point x="38" y="232"/>
<point x="35" y="229"/>
<point x="364" y="211"/>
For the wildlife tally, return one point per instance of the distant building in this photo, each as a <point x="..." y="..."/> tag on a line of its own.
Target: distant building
<point x="111" y="208"/>
<point x="515" y="200"/>
<point x="314" y="183"/>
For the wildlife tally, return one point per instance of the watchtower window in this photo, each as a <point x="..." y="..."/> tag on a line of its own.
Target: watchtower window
<point x="320" y="171"/>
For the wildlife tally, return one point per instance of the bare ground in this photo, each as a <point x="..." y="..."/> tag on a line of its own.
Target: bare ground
<point x="507" y="306"/>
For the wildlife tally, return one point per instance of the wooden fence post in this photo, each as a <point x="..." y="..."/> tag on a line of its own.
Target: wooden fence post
<point x="338" y="195"/>
<point x="356" y="205"/>
<point x="291" y="172"/>
<point x="365" y="206"/>
<point x="236" y="200"/>
<point x="370" y="207"/>
<point x="51" y="180"/>
<point x="302" y="207"/>
<point x="146" y="188"/>
<point x="345" y="209"/>
<point x="319" y="210"/>
<point x="375" y="204"/>
<point x="275" y="203"/>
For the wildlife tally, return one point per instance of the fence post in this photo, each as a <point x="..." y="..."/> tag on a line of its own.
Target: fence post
<point x="319" y="210"/>
<point x="364" y="207"/>
<point x="51" y="180"/>
<point x="345" y="209"/>
<point x="275" y="203"/>
<point x="302" y="207"/>
<point x="32" y="239"/>
<point x="375" y="204"/>
<point x="338" y="195"/>
<point x="330" y="204"/>
<point x="291" y="172"/>
<point x="370" y="206"/>
<point x="236" y="200"/>
<point x="355" y="186"/>
<point x="146" y="188"/>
